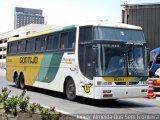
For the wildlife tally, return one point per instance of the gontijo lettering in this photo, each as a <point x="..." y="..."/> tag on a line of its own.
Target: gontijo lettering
<point x="32" y="60"/>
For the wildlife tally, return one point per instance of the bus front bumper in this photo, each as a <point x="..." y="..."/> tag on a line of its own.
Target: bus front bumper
<point x="120" y="92"/>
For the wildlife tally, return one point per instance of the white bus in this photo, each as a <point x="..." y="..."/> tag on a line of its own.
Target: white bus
<point x="97" y="60"/>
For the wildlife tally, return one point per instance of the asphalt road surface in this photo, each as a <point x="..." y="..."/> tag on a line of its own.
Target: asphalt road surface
<point x="84" y="105"/>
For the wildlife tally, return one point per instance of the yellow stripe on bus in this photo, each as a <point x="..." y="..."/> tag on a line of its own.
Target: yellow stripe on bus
<point x="118" y="79"/>
<point x="28" y="64"/>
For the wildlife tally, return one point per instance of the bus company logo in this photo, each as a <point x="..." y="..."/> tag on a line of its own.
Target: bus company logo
<point x="87" y="87"/>
<point x="31" y="60"/>
<point x="68" y="60"/>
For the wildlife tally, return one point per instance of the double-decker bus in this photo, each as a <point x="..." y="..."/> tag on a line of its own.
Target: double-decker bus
<point x="98" y="60"/>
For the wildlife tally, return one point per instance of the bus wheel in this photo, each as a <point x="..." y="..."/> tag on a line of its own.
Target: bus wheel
<point x="16" y="80"/>
<point x="21" y="81"/>
<point x="70" y="90"/>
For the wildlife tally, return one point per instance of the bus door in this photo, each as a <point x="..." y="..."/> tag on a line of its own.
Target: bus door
<point x="88" y="71"/>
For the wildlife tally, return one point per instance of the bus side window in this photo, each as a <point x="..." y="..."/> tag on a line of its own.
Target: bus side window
<point x="30" y="45"/>
<point x="13" y="48"/>
<point x="40" y="44"/>
<point x="56" y="41"/>
<point x="85" y="34"/>
<point x="68" y="40"/>
<point x="64" y="40"/>
<point x="52" y="42"/>
<point x="158" y="59"/>
<point x="21" y="46"/>
<point x="8" y="48"/>
<point x="71" y="39"/>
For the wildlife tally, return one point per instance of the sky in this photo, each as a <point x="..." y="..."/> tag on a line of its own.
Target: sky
<point x="65" y="12"/>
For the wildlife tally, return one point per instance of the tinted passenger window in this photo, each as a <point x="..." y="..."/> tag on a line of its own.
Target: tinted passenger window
<point x="56" y="41"/>
<point x="68" y="39"/>
<point x="8" y="47"/>
<point x="21" y="46"/>
<point x="64" y="40"/>
<point x="71" y="39"/>
<point x="52" y="42"/>
<point x="40" y="44"/>
<point x="30" y="45"/>
<point x="13" y="48"/>
<point x="85" y="34"/>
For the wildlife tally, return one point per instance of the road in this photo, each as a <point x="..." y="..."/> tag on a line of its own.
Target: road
<point x="84" y="105"/>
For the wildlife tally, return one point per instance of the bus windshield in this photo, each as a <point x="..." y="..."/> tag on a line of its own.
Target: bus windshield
<point x="118" y="34"/>
<point x="119" y="61"/>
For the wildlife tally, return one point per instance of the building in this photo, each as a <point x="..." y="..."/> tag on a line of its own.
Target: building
<point x="24" y="16"/>
<point x="148" y="17"/>
<point x="19" y="32"/>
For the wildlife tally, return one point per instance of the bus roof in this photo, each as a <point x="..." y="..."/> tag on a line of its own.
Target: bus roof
<point x="111" y="24"/>
<point x="97" y="23"/>
<point x="44" y="32"/>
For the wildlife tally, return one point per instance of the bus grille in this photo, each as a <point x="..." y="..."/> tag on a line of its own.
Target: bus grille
<point x="126" y="83"/>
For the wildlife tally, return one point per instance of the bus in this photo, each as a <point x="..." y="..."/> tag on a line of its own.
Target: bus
<point x="98" y="60"/>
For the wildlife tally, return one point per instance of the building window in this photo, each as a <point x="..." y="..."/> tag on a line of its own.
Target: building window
<point x="4" y="49"/>
<point x="4" y="56"/>
<point x="5" y="41"/>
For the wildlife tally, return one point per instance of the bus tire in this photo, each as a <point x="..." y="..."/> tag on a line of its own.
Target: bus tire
<point x="21" y="81"/>
<point x="16" y="80"/>
<point x="70" y="90"/>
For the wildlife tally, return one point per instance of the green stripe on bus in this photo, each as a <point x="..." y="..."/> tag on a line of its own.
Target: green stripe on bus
<point x="136" y="79"/>
<point x="49" y="67"/>
<point x="64" y="28"/>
